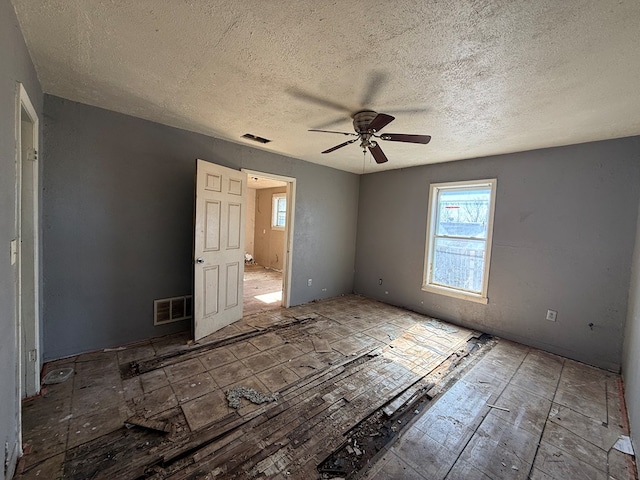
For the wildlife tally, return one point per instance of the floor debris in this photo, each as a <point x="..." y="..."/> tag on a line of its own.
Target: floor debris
<point x="623" y="444"/>
<point x="236" y="394"/>
<point x="58" y="375"/>
<point x="156" y="425"/>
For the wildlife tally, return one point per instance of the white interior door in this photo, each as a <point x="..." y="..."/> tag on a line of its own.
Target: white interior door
<point x="218" y="247"/>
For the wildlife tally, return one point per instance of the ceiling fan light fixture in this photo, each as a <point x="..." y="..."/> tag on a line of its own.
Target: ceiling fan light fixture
<point x="362" y="119"/>
<point x="366" y="124"/>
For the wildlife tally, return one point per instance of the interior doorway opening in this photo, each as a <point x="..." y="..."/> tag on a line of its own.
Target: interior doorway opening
<point x="268" y="228"/>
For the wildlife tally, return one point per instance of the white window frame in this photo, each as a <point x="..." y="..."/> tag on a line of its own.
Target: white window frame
<point x="274" y="210"/>
<point x="434" y="192"/>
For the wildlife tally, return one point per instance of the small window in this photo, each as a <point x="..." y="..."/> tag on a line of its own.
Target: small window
<point x="459" y="231"/>
<point x="279" y="215"/>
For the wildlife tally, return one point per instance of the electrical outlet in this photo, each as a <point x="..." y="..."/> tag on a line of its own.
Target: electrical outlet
<point x="309" y="282"/>
<point x="551" y="315"/>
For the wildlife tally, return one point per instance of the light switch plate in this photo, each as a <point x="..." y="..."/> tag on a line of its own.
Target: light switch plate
<point x="14" y="251"/>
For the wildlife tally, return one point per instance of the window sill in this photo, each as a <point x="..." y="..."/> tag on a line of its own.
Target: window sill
<point x="450" y="292"/>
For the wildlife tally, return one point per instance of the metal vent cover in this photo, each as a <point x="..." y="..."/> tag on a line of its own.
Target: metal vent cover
<point x="168" y="310"/>
<point x="255" y="138"/>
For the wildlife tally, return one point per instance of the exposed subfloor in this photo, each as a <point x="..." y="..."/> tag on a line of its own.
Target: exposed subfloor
<point x="262" y="289"/>
<point x="321" y="388"/>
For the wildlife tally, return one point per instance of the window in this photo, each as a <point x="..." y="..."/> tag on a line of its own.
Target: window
<point x="279" y="213"/>
<point x="459" y="231"/>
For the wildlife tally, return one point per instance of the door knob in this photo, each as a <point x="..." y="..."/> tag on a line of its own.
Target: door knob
<point x="199" y="260"/>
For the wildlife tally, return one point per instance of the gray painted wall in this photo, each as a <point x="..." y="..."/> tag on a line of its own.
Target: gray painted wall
<point x="631" y="350"/>
<point x="118" y="213"/>
<point x="15" y="66"/>
<point x="562" y="240"/>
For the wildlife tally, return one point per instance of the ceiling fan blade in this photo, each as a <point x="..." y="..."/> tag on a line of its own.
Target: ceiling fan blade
<point x="340" y="146"/>
<point x="380" y="121"/>
<point x="375" y="83"/>
<point x="401" y="137"/>
<point x="333" y="122"/>
<point x="323" y="102"/>
<point x="407" y="110"/>
<point x="378" y="154"/>
<point x="330" y="131"/>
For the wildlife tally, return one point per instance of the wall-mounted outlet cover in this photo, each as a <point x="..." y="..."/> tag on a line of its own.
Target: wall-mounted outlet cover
<point x="551" y="315"/>
<point x="309" y="282"/>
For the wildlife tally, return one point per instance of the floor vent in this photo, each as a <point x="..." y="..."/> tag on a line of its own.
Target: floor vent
<point x="169" y="310"/>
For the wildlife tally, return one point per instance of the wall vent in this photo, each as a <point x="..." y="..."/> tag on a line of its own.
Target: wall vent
<point x="255" y="138"/>
<point x="169" y="310"/>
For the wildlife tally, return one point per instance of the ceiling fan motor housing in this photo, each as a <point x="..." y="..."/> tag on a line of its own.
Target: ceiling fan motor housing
<point x="362" y="119"/>
<point x="366" y="124"/>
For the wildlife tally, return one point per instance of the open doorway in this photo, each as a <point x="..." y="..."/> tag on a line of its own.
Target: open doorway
<point x="268" y="233"/>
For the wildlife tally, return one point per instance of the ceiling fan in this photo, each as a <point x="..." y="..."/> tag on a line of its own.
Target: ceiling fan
<point x="367" y="124"/>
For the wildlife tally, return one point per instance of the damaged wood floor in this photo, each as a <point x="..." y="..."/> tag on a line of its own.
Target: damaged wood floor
<point x="519" y="413"/>
<point x="321" y="388"/>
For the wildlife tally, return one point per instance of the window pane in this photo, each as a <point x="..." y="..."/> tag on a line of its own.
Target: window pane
<point x="459" y="263"/>
<point x="279" y="214"/>
<point x="463" y="212"/>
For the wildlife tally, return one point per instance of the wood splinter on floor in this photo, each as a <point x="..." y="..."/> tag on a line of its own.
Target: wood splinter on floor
<point x="498" y="408"/>
<point x="140" y="421"/>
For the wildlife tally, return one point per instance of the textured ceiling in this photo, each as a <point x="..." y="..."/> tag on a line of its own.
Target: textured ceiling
<point x="482" y="77"/>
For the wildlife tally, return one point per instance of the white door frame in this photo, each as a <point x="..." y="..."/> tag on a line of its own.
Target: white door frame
<point x="28" y="280"/>
<point x="288" y="242"/>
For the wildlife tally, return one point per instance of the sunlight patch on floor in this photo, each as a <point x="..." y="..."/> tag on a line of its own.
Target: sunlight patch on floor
<point x="270" y="297"/>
